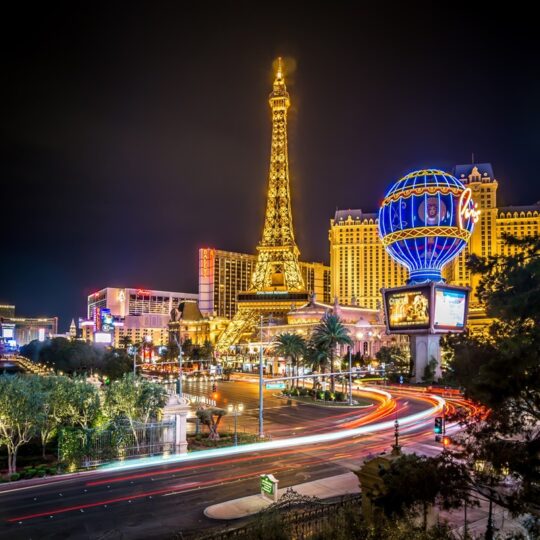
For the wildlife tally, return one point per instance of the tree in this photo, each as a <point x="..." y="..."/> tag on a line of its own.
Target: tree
<point x="395" y="359"/>
<point x="413" y="483"/>
<point x="500" y="369"/>
<point x="82" y="403"/>
<point x="125" y="341"/>
<point x="116" y="363"/>
<point x="55" y="398"/>
<point x="20" y="411"/>
<point x="290" y="345"/>
<point x="327" y="335"/>
<point x="211" y="417"/>
<point x="135" y="400"/>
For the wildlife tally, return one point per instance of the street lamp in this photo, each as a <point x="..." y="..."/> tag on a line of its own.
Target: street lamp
<point x="235" y="410"/>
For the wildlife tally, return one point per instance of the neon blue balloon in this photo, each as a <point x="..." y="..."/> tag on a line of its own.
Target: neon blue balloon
<point x="425" y="221"/>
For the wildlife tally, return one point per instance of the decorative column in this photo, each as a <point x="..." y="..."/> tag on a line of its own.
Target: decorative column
<point x="175" y="413"/>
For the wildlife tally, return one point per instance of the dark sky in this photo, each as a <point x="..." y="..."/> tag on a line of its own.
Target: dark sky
<point x="133" y="134"/>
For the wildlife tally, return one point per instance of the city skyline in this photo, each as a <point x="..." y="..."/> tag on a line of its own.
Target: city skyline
<point x="112" y="158"/>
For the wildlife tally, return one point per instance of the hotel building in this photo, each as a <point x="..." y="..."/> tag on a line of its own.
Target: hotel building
<point x="223" y="274"/>
<point x="23" y="330"/>
<point x="142" y="314"/>
<point x="361" y="267"/>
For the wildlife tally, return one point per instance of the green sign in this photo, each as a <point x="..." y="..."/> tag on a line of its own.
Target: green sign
<point x="275" y="386"/>
<point x="267" y="485"/>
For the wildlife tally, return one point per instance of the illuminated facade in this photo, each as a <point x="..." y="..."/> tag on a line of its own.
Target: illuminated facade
<point x="360" y="267"/>
<point x="223" y="274"/>
<point x="19" y="331"/>
<point x="129" y="301"/>
<point x="277" y="283"/>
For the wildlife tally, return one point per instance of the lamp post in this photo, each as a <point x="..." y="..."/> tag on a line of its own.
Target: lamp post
<point x="261" y="427"/>
<point x="350" y="376"/>
<point x="235" y="410"/>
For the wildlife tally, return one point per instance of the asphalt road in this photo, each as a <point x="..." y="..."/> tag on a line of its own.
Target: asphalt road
<point x="161" y="501"/>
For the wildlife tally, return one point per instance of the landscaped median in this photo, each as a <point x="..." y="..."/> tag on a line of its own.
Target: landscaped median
<point x="324" y="398"/>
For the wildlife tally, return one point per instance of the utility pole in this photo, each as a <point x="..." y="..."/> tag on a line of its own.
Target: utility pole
<point x="261" y="426"/>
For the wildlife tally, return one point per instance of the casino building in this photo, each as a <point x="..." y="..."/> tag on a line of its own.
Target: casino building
<point x="360" y="266"/>
<point x="118" y="314"/>
<point x="223" y="274"/>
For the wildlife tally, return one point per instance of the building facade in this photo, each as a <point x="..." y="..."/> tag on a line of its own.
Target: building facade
<point x="17" y="331"/>
<point x="117" y="315"/>
<point x="223" y="274"/>
<point x="129" y="301"/>
<point x="360" y="266"/>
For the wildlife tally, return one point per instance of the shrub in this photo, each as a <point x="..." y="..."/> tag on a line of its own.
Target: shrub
<point x="329" y="396"/>
<point x="29" y="473"/>
<point x="52" y="470"/>
<point x="41" y="473"/>
<point x="14" y="477"/>
<point x="340" y="396"/>
<point x="304" y="391"/>
<point x="320" y="395"/>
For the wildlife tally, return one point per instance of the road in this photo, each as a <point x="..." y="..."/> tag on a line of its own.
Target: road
<point x="156" y="502"/>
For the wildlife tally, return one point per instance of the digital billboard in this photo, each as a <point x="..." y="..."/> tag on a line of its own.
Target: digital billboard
<point x="102" y="337"/>
<point x="408" y="309"/>
<point x="450" y="309"/>
<point x="107" y="320"/>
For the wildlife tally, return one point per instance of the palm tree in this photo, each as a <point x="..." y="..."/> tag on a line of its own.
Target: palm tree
<point x="125" y="342"/>
<point x="291" y="346"/>
<point x="317" y="359"/>
<point x="327" y="335"/>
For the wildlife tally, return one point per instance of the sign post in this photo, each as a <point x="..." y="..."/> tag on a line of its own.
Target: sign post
<point x="269" y="486"/>
<point x="275" y="386"/>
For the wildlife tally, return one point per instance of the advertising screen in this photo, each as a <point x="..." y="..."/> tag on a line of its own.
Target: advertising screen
<point x="408" y="309"/>
<point x="107" y="320"/>
<point x="450" y="309"/>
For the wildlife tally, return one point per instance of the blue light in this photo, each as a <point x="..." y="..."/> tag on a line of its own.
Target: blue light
<point x="425" y="220"/>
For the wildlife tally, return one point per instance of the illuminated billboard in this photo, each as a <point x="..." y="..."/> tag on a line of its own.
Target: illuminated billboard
<point x="102" y="337"/>
<point x="107" y="320"/>
<point x="433" y="308"/>
<point x="408" y="309"/>
<point x="450" y="309"/>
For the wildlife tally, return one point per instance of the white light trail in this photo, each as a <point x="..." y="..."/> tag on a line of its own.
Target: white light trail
<point x="282" y="443"/>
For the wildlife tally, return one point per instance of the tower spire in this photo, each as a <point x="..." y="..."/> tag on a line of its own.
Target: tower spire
<point x="277" y="261"/>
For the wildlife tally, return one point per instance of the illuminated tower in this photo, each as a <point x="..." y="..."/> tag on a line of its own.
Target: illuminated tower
<point x="277" y="282"/>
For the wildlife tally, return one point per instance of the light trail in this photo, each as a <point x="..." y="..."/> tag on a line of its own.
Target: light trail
<point x="282" y="443"/>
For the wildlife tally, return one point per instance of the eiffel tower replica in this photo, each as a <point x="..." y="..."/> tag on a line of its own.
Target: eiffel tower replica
<point x="277" y="284"/>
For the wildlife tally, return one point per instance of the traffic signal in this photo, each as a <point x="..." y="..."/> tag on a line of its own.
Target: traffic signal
<point x="214" y="388"/>
<point x="447" y="441"/>
<point x="438" y="427"/>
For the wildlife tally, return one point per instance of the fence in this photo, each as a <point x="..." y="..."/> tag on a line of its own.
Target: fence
<point x="299" y="516"/>
<point x="91" y="447"/>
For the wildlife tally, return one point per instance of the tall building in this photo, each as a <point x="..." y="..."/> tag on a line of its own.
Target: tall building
<point x="360" y="266"/>
<point x="276" y="284"/>
<point x="223" y="274"/>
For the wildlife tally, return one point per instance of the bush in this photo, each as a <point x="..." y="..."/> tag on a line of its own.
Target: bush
<point x="304" y="392"/>
<point x="14" y="477"/>
<point x="294" y="392"/>
<point x="41" y="473"/>
<point x="329" y="396"/>
<point x="341" y="396"/>
<point x="52" y="470"/>
<point x="29" y="473"/>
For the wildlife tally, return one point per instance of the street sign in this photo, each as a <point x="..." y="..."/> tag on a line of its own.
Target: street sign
<point x="269" y="486"/>
<point x="275" y="386"/>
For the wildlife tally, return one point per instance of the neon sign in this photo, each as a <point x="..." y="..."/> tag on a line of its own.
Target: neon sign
<point x="463" y="209"/>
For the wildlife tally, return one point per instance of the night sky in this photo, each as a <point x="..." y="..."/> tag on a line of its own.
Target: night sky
<point x="133" y="134"/>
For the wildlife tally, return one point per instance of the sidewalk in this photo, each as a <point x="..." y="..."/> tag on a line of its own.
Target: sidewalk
<point x="334" y="486"/>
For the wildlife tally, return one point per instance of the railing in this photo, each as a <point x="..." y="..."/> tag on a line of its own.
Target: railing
<point x="199" y="399"/>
